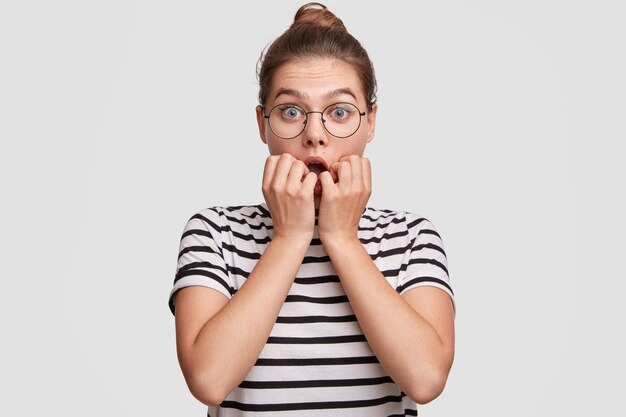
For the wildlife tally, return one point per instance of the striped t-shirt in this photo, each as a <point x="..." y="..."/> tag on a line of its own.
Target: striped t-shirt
<point x="317" y="361"/>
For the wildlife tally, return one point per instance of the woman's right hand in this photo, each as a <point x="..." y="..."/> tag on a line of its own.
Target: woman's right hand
<point x="288" y="191"/>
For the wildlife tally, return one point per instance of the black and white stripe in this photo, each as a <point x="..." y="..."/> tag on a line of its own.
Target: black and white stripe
<point x="317" y="361"/>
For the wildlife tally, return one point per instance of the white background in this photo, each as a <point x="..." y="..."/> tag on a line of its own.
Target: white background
<point x="501" y="122"/>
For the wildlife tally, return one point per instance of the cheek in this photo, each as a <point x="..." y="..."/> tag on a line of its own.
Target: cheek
<point x="342" y="150"/>
<point x="277" y="147"/>
<point x="356" y="147"/>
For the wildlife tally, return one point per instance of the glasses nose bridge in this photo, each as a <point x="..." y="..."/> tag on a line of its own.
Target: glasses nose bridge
<point x="321" y="113"/>
<point x="306" y="120"/>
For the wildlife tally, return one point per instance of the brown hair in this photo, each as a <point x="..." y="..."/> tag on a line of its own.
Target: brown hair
<point x="316" y="32"/>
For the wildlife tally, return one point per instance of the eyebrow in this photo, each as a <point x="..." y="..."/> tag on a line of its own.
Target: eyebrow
<point x="304" y="96"/>
<point x="339" y="92"/>
<point x="291" y="92"/>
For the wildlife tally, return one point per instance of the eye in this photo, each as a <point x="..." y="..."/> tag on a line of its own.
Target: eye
<point x="290" y="112"/>
<point x="341" y="111"/>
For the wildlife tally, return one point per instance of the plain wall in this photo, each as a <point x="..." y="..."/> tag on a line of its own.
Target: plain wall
<point x="501" y="122"/>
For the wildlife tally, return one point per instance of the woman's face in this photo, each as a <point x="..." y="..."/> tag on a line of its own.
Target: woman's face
<point x="312" y="85"/>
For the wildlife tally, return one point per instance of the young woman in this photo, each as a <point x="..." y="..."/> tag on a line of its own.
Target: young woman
<point x="313" y="303"/>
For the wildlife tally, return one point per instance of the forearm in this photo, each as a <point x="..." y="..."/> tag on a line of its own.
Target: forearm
<point x="406" y="344"/>
<point x="230" y="342"/>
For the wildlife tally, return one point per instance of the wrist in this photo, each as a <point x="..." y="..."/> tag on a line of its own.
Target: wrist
<point x="339" y="241"/>
<point x="295" y="240"/>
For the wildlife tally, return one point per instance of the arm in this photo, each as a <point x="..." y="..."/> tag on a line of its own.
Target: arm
<point x="412" y="335"/>
<point x="210" y="328"/>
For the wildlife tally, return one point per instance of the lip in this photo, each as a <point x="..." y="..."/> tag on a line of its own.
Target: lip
<point x="316" y="160"/>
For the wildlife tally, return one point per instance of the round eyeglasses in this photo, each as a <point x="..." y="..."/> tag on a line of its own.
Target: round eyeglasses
<point x="287" y="121"/>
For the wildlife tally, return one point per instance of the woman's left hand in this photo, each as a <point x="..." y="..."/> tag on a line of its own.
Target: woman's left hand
<point x="343" y="202"/>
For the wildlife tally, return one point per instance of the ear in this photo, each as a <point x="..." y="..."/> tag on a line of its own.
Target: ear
<point x="371" y="122"/>
<point x="260" y="120"/>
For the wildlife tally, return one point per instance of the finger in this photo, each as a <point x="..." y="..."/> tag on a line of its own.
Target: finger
<point x="333" y="171"/>
<point x="345" y="174"/>
<point x="282" y="169"/>
<point x="306" y="172"/>
<point x="296" y="173"/>
<point x="328" y="184"/>
<point x="350" y="160"/>
<point x="356" y="171"/>
<point x="366" y="169"/>
<point x="269" y="170"/>
<point x="310" y="179"/>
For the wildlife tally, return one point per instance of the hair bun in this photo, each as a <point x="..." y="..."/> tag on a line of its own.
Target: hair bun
<point x="316" y="14"/>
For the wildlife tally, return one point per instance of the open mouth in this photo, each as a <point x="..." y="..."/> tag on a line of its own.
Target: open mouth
<point x="317" y="165"/>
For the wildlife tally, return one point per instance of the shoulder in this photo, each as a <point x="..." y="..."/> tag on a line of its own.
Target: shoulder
<point x="219" y="216"/>
<point x="387" y="216"/>
<point x="396" y="221"/>
<point x="228" y="218"/>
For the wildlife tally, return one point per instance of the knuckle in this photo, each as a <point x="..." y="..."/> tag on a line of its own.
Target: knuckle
<point x="274" y="188"/>
<point x="294" y="193"/>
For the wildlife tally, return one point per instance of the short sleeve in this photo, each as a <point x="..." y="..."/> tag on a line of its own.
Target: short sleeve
<point x="200" y="260"/>
<point x="427" y="263"/>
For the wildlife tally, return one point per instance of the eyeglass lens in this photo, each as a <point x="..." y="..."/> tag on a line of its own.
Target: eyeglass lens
<point x="288" y="120"/>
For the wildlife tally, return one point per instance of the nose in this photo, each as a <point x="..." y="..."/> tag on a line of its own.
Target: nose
<point x="314" y="133"/>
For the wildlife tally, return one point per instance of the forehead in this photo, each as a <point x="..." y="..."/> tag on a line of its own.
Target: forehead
<point x="315" y="79"/>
